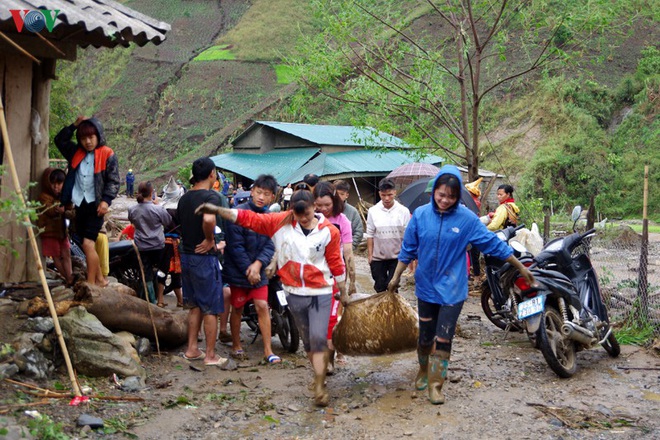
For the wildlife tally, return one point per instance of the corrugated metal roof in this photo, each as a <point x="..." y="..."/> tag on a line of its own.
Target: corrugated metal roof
<point x="360" y="162"/>
<point x="339" y="135"/>
<point x="278" y="163"/>
<point x="105" y="22"/>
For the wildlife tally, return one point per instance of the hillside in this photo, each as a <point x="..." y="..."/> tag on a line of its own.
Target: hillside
<point x="223" y="65"/>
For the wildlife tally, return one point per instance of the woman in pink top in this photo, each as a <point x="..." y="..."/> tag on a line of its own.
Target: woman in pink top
<point x="328" y="203"/>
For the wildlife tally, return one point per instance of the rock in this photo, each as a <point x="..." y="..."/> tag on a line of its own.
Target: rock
<point x="132" y="384"/>
<point x="95" y="350"/>
<point x="230" y="365"/>
<point x="33" y="363"/>
<point x="128" y="337"/>
<point x="8" y="370"/>
<point x="37" y="338"/>
<point x="40" y="324"/>
<point x="143" y="347"/>
<point x="91" y="421"/>
<point x="12" y="431"/>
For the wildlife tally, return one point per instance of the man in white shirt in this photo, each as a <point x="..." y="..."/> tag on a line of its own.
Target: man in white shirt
<point x="386" y="224"/>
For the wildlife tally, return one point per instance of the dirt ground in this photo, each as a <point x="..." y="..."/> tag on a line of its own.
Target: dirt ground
<point x="498" y="386"/>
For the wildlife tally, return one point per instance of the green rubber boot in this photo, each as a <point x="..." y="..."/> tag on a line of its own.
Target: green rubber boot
<point x="421" y="381"/>
<point x="437" y="373"/>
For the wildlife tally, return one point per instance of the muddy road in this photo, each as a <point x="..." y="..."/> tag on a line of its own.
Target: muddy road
<point x="498" y="387"/>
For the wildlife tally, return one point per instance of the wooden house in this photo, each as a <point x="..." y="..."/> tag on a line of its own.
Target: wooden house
<point x="289" y="151"/>
<point x="34" y="34"/>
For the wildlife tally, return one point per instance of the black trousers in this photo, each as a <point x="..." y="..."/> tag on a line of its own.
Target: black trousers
<point x="382" y="272"/>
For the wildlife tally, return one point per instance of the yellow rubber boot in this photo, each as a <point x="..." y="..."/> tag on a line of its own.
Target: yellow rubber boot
<point x="437" y="373"/>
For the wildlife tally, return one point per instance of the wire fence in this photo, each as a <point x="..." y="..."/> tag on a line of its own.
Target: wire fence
<point x="630" y="288"/>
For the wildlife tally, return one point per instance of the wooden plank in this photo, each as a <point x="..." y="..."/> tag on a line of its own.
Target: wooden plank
<point x="18" y="103"/>
<point x="38" y="48"/>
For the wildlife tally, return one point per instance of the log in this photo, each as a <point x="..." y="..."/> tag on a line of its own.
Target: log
<point x="118" y="311"/>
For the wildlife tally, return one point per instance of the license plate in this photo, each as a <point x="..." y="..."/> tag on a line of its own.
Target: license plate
<point x="531" y="307"/>
<point x="281" y="296"/>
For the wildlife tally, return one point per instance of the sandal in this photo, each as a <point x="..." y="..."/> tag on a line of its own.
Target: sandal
<point x="199" y="357"/>
<point x="179" y="304"/>
<point x="161" y="305"/>
<point x="240" y="355"/>
<point x="273" y="359"/>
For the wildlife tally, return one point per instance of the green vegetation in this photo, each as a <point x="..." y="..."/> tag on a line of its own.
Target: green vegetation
<point x="635" y="334"/>
<point x="44" y="428"/>
<point x="655" y="229"/>
<point x="269" y="30"/>
<point x="285" y="74"/>
<point x="582" y="155"/>
<point x="216" y="53"/>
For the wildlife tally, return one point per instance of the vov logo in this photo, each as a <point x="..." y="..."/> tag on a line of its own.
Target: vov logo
<point x="35" y="20"/>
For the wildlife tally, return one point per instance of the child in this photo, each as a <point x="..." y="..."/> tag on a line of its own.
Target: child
<point x="91" y="184"/>
<point x="54" y="240"/>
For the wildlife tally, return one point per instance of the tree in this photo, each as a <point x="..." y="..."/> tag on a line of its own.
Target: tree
<point x="423" y="70"/>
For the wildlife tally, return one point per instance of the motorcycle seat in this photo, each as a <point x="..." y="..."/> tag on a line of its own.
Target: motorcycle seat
<point x="120" y="247"/>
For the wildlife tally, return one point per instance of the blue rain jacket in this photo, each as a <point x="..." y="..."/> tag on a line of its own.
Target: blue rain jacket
<point x="439" y="242"/>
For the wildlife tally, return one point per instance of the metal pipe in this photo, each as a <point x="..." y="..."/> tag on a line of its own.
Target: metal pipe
<point x="577" y="333"/>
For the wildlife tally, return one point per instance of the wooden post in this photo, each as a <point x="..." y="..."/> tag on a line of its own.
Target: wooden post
<point x="642" y="280"/>
<point x="35" y="252"/>
<point x="546" y="228"/>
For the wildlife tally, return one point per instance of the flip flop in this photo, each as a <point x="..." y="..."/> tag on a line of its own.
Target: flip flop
<point x="219" y="362"/>
<point x="201" y="356"/>
<point x="239" y="354"/>
<point x="273" y="359"/>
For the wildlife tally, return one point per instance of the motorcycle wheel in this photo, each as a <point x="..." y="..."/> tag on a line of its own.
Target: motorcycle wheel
<point x="489" y="308"/>
<point x="611" y="345"/>
<point x="559" y="352"/>
<point x="286" y="330"/>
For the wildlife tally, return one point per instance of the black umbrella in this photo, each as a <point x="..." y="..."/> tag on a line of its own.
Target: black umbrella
<point x="415" y="195"/>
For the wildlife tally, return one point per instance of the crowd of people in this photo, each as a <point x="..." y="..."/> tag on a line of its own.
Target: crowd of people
<point x="216" y="249"/>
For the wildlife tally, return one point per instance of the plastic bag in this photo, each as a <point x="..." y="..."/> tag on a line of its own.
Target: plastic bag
<point x="383" y="323"/>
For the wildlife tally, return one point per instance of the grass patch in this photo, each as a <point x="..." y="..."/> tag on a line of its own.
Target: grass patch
<point x="285" y="74"/>
<point x="216" y="53"/>
<point x="652" y="228"/>
<point x="269" y="29"/>
<point x="635" y="335"/>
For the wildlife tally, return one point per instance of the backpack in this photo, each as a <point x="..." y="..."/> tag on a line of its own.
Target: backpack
<point x="512" y="218"/>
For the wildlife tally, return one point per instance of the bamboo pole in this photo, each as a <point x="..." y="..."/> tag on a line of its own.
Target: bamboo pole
<point x="35" y="252"/>
<point x="146" y="296"/>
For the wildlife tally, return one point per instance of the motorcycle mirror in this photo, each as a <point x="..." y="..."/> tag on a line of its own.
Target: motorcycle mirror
<point x="575" y="215"/>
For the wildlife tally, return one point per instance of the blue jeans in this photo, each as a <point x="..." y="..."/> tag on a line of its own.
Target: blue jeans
<point x="442" y="323"/>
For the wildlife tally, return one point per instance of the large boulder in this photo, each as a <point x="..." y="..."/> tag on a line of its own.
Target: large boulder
<point x="95" y="350"/>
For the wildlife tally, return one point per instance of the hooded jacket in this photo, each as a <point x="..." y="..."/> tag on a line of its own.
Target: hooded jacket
<point x="50" y="220"/>
<point x="439" y="240"/>
<point x="244" y="247"/>
<point x="308" y="264"/>
<point x="106" y="167"/>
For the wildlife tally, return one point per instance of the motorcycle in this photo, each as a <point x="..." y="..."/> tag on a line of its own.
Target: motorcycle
<point x="498" y="306"/>
<point x="281" y="318"/>
<point x="565" y="309"/>
<point x="124" y="264"/>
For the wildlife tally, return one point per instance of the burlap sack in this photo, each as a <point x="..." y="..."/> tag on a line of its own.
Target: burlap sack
<point x="378" y="324"/>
